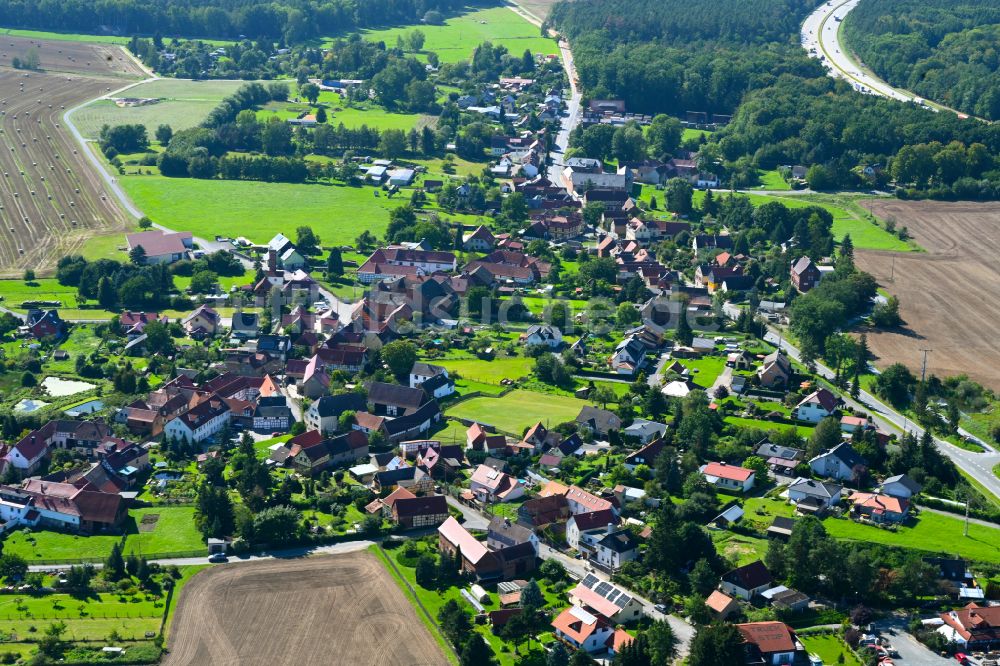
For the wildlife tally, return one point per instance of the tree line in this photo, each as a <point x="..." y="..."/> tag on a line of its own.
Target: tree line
<point x="290" y="22"/>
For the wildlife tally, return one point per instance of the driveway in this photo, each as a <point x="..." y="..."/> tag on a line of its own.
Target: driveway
<point x="911" y="651"/>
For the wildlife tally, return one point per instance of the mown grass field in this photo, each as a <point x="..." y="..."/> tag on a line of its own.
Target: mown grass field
<point x="173" y="532"/>
<point x="337" y="112"/>
<point x="43" y="545"/>
<point x="259" y="210"/>
<point x="184" y="104"/>
<point x="460" y="35"/>
<point x="519" y="409"/>
<point x="490" y="372"/>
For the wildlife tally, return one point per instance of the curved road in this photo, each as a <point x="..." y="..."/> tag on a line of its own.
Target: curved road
<point x="821" y="38"/>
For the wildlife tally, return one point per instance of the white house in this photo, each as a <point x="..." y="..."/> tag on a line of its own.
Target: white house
<point x="841" y="462"/>
<point x="421" y="372"/>
<point x="818" y="494"/>
<point x="200" y="422"/>
<point x="543" y="335"/>
<point x="900" y="486"/>
<point x="583" y="630"/>
<point x="747" y="581"/>
<point x="592" y="522"/>
<point x="816" y="406"/>
<point x="613" y="548"/>
<point x="607" y="599"/>
<point x="728" y="477"/>
<point x="645" y="430"/>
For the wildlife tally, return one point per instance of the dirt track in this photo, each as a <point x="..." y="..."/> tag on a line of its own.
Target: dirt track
<point x="338" y="609"/>
<point x="950" y="295"/>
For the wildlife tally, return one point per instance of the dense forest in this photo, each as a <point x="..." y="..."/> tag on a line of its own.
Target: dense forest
<point x="785" y="109"/>
<point x="286" y="20"/>
<point x="946" y="50"/>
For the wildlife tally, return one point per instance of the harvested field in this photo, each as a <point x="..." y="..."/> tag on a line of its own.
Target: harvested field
<point x="73" y="58"/>
<point x="339" y="609"/>
<point x="950" y="295"/>
<point x="51" y="197"/>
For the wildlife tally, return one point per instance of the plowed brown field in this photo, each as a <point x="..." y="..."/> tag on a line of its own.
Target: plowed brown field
<point x="950" y="295"/>
<point x="337" y="609"/>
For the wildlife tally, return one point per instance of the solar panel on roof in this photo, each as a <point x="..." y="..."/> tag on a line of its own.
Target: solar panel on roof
<point x="623" y="601"/>
<point x="590" y="581"/>
<point x="603" y="588"/>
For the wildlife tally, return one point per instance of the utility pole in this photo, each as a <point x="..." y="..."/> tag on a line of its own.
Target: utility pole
<point x="923" y="369"/>
<point x="892" y="269"/>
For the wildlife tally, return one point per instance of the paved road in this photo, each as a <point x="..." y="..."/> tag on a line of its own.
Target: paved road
<point x="570" y="120"/>
<point x="977" y="465"/>
<point x="287" y="553"/>
<point x="475" y="519"/>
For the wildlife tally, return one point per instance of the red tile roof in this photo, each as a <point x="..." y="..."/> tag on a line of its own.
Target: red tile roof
<point x="724" y="471"/>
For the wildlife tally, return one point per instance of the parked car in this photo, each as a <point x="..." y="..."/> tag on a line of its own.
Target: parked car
<point x="218" y="558"/>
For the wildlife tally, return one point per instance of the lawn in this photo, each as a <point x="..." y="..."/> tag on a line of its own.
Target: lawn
<point x="830" y="648"/>
<point x="460" y="35"/>
<point x="690" y="133"/>
<point x="489" y="372"/>
<point x="772" y="180"/>
<point x="15" y="292"/>
<point x="111" y="246"/>
<point x="42" y="546"/>
<point x="352" y="117"/>
<point x="226" y="282"/>
<point x="930" y="532"/>
<point x="173" y="532"/>
<point x="739" y="548"/>
<point x="518" y="410"/>
<point x="705" y="370"/>
<point x="760" y="424"/>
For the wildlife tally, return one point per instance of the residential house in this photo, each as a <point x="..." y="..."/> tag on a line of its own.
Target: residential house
<point x="728" y="477"/>
<point x="771" y="643"/>
<point x="432" y="379"/>
<point x="629" y="356"/>
<point x="645" y="456"/>
<point x="612" y="549"/>
<point x="199" y="423"/>
<point x="418" y="512"/>
<point x="816" y="406"/>
<point x="549" y="336"/>
<point x="812" y="495"/>
<point x="722" y="605"/>
<point x="397" y="261"/>
<point x="44" y="324"/>
<point x="841" y="462"/>
<point x="775" y="371"/>
<point x="578" y="499"/>
<point x="204" y="321"/>
<point x="901" y="486"/>
<point x="804" y="274"/>
<point x="599" y="421"/>
<point x="324" y="414"/>
<point x="606" y="599"/>
<point x="393" y="399"/>
<point x="541" y="512"/>
<point x="133" y="324"/>
<point x="315" y="382"/>
<point x="61" y="506"/>
<point x="479" y="240"/>
<point x="747" y="581"/>
<point x="583" y="630"/>
<point x="502" y="533"/>
<point x="413" y="479"/>
<point x="479" y="560"/>
<point x="246" y="325"/>
<point x="973" y="627"/>
<point x="879" y="508"/>
<point x="272" y="414"/>
<point x="580" y="525"/>
<point x="476" y="438"/>
<point x="282" y="254"/>
<point x="490" y="486"/>
<point x="645" y="431"/>
<point x="161" y="247"/>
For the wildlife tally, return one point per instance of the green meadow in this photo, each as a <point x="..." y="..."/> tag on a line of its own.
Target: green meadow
<point x="460" y="35"/>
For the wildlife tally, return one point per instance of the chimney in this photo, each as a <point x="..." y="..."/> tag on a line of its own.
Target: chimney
<point x="611" y="528"/>
<point x="272" y="261"/>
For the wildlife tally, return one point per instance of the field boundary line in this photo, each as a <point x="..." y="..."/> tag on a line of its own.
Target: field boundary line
<point x="408" y="589"/>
